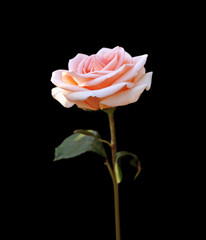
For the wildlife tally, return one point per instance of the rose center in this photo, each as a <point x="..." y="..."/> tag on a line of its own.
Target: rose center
<point x="94" y="63"/>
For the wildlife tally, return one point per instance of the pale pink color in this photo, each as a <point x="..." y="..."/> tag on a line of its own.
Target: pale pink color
<point x="107" y="79"/>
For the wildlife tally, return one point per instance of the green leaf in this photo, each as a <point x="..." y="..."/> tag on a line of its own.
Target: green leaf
<point x="135" y="162"/>
<point x="79" y="143"/>
<point x="89" y="133"/>
<point x="123" y="154"/>
<point x="86" y="132"/>
<point x="118" y="172"/>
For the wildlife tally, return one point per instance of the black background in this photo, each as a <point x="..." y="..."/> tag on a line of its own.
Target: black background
<point x="75" y="197"/>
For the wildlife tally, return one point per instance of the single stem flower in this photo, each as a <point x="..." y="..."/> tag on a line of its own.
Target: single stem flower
<point x="105" y="80"/>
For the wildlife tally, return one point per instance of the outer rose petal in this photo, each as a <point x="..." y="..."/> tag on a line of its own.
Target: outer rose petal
<point x="101" y="93"/>
<point x="58" y="94"/>
<point x="57" y="79"/>
<point x="130" y="95"/>
<point x="145" y="80"/>
<point x="85" y="105"/>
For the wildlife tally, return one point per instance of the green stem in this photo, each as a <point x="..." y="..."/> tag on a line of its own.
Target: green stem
<point x="113" y="135"/>
<point x="110" y="113"/>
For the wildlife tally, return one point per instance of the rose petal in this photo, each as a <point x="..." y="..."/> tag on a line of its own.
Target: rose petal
<point x="95" y="63"/>
<point x="111" y="65"/>
<point x="84" y="105"/>
<point x="127" y="58"/>
<point x="145" y="80"/>
<point x="121" y="53"/>
<point x="103" y="51"/>
<point x="57" y="79"/>
<point x="123" y="56"/>
<point x="101" y="93"/>
<point x="58" y="94"/>
<point x="74" y="62"/>
<point x="116" y="74"/>
<point x="139" y="64"/>
<point x="93" y="102"/>
<point x="82" y="78"/>
<point x="140" y="74"/>
<point x="130" y="95"/>
<point x="80" y="67"/>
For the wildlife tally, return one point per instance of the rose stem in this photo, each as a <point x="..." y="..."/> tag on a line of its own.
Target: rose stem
<point x="110" y="113"/>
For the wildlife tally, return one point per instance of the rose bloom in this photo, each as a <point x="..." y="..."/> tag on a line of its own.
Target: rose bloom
<point x="107" y="79"/>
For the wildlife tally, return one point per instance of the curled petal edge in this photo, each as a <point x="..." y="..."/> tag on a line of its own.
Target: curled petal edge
<point x="58" y="94"/>
<point x="128" y="96"/>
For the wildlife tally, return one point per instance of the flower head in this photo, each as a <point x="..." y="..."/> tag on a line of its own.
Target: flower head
<point x="109" y="78"/>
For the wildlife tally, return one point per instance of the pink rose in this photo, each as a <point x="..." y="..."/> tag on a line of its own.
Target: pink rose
<point x="107" y="79"/>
